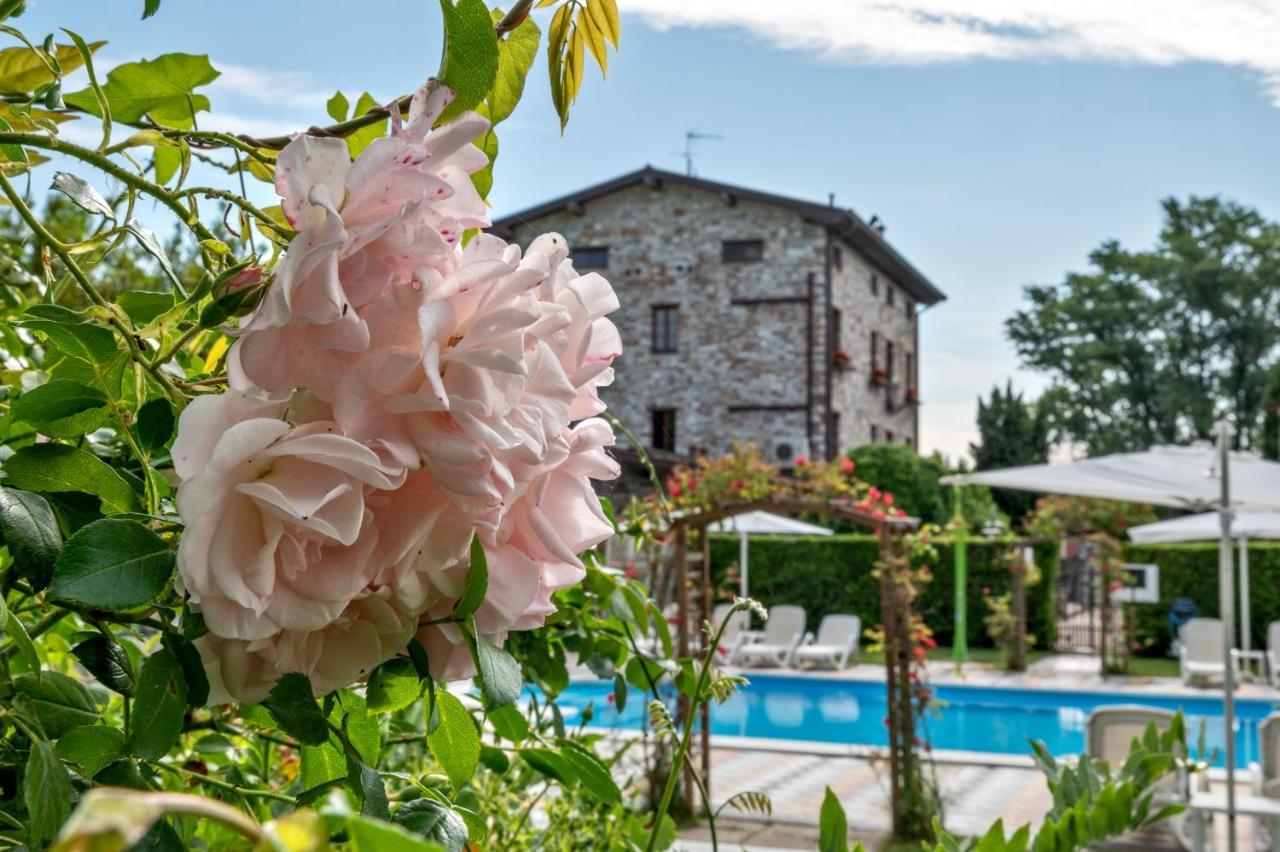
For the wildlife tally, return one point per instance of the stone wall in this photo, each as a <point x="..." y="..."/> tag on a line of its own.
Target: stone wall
<point x="752" y="359"/>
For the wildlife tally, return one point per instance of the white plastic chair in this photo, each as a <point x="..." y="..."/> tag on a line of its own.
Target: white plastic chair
<point x="1109" y="734"/>
<point x="777" y="642"/>
<point x="1273" y="653"/>
<point x="1201" y="655"/>
<point x="836" y="642"/>
<point x="735" y="632"/>
<point x="1265" y="775"/>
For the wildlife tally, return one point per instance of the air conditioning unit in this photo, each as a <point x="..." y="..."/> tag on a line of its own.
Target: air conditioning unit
<point x="784" y="450"/>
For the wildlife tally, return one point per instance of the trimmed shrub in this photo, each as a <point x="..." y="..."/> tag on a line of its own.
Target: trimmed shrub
<point x="834" y="575"/>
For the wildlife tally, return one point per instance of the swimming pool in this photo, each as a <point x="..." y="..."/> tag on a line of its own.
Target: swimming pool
<point x="973" y="718"/>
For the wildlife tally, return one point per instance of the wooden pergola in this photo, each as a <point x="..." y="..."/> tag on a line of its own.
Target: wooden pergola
<point x="693" y="592"/>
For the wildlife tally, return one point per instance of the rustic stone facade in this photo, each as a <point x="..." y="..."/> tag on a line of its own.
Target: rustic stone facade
<point x="756" y="357"/>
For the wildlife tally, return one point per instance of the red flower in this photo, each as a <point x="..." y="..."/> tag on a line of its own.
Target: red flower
<point x="930" y="642"/>
<point x="887" y="499"/>
<point x="609" y="698"/>
<point x="846" y="465"/>
<point x="801" y="461"/>
<point x="878" y="514"/>
<point x="873" y="494"/>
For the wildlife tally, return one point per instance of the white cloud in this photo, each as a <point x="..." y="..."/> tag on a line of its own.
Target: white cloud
<point x="281" y="89"/>
<point x="1241" y="33"/>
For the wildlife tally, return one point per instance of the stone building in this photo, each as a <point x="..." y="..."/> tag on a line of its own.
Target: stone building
<point x="746" y="316"/>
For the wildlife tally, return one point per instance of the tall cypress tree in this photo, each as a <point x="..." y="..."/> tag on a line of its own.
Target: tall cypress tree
<point x="1011" y="432"/>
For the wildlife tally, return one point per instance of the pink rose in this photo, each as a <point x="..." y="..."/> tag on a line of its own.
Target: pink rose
<point x="278" y="536"/>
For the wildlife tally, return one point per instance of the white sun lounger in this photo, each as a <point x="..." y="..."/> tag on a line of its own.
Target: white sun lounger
<point x="1109" y="734"/>
<point x="1201" y="655"/>
<point x="835" y="644"/>
<point x="1273" y="653"/>
<point x="777" y="642"/>
<point x="1265" y="774"/>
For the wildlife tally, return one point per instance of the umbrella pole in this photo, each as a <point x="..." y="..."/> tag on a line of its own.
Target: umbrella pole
<point x="1246" y="629"/>
<point x="742" y="561"/>
<point x="1226" y="594"/>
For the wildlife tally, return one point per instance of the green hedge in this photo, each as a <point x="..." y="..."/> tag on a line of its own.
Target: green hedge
<point x="1191" y="571"/>
<point x="833" y="575"/>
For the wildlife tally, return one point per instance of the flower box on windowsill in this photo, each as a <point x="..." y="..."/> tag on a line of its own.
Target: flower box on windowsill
<point x="879" y="376"/>
<point x="842" y="360"/>
<point x="912" y="396"/>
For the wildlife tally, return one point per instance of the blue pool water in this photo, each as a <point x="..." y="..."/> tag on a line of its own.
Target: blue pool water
<point x="971" y="718"/>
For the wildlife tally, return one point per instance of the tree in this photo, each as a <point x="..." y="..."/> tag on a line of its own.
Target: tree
<point x="1011" y="432"/>
<point x="912" y="479"/>
<point x="1154" y="346"/>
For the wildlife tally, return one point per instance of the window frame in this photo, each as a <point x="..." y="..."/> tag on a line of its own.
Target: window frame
<point x="663" y="424"/>
<point x="727" y="247"/>
<point x="664" y="336"/>
<point x="575" y="256"/>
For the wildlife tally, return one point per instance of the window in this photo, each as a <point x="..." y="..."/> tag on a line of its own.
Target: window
<point x="666" y="328"/>
<point x="875" y="433"/>
<point x="664" y="429"/>
<point x="875" y="284"/>
<point x="910" y="373"/>
<point x="590" y="257"/>
<point x="888" y="435"/>
<point x="875" y="351"/>
<point x="888" y="293"/>
<point x="837" y="257"/>
<point x="833" y="442"/>
<point x="888" y="360"/>
<point x="835" y="330"/>
<point x="742" y="251"/>
<point x="911" y="310"/>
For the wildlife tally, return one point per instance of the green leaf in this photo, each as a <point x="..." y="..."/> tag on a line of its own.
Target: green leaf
<point x="30" y="531"/>
<point x="26" y="649"/>
<point x="149" y="8"/>
<point x="154" y="426"/>
<point x="592" y="775"/>
<point x="833" y="829"/>
<point x="46" y="790"/>
<point x="143" y="306"/>
<point x="321" y="765"/>
<point x="510" y="723"/>
<point x="393" y="686"/>
<point x="58" y="468"/>
<point x="360" y="139"/>
<point x="371" y="835"/>
<point x="158" y="707"/>
<point x="435" y="821"/>
<point x="516" y="53"/>
<point x="22" y="72"/>
<point x="293" y="705"/>
<point x="163" y="88"/>
<point x="112" y="564"/>
<point x="499" y="673"/>
<point x="455" y="743"/>
<point x="91" y="747"/>
<point x="59" y="702"/>
<point x="192" y="669"/>
<point x="152" y="246"/>
<point x="108" y="662"/>
<point x="72" y="333"/>
<point x="351" y="714"/>
<point x="477" y="582"/>
<point x="83" y="195"/>
<point x="372" y="792"/>
<point x="62" y="408"/>
<point x="470" y="62"/>
<point x="551" y="764"/>
<point x="338" y="107"/>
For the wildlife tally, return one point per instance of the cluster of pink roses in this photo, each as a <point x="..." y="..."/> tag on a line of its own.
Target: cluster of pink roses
<point x="393" y="396"/>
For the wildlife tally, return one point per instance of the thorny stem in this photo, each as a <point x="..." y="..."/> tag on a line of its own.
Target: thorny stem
<point x="243" y="204"/>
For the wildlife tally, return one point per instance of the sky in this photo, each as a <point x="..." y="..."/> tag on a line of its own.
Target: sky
<point x="999" y="140"/>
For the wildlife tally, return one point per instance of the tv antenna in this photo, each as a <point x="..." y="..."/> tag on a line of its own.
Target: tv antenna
<point x="691" y="137"/>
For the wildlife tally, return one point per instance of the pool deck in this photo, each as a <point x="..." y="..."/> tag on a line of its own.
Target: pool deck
<point x="976" y="788"/>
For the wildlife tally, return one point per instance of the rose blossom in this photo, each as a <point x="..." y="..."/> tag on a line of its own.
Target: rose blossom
<point x="278" y="535"/>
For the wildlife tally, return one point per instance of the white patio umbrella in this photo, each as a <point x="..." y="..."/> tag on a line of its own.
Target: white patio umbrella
<point x="1198" y="477"/>
<point x="1245" y="525"/>
<point x="761" y="523"/>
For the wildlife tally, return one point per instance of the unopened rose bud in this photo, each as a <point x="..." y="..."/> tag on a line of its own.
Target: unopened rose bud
<point x="235" y="293"/>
